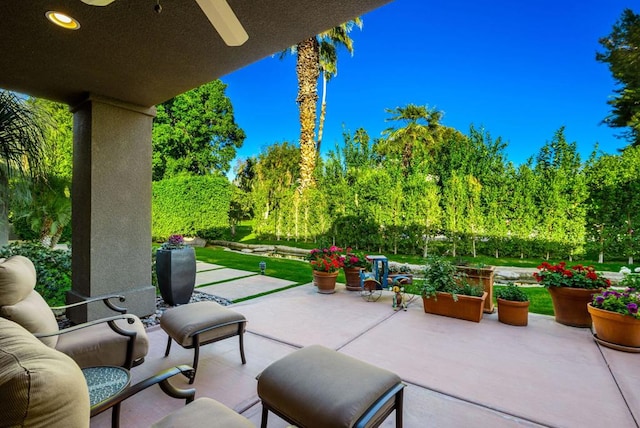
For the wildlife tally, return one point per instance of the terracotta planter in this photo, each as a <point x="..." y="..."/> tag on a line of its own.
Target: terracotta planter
<point x="468" y="308"/>
<point x="613" y="328"/>
<point x="352" y="277"/>
<point x="325" y="281"/>
<point x="513" y="313"/>
<point x="176" y="270"/>
<point x="482" y="277"/>
<point x="570" y="305"/>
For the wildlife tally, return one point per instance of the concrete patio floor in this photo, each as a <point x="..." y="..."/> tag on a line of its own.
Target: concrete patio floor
<point x="458" y="373"/>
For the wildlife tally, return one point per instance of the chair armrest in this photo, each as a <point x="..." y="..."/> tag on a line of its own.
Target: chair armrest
<point x="161" y="378"/>
<point x="110" y="320"/>
<point x="104" y="298"/>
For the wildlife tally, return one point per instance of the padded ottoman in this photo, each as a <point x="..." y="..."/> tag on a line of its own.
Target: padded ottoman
<point x="197" y="324"/>
<point x="204" y="412"/>
<point x="318" y="387"/>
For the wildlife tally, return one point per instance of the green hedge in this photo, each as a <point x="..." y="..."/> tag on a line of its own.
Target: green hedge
<point x="53" y="269"/>
<point x="191" y="206"/>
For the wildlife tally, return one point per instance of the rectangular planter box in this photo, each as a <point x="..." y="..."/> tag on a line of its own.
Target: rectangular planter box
<point x="468" y="308"/>
<point x="482" y="277"/>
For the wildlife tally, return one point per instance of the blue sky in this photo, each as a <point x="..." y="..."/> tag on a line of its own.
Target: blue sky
<point x="520" y="70"/>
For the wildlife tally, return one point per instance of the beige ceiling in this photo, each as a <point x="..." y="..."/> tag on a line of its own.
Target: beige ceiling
<point x="128" y="52"/>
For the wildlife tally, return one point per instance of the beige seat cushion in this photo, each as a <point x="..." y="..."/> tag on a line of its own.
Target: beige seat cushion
<point x="183" y="321"/>
<point x="110" y="350"/>
<point x="34" y="314"/>
<point x="204" y="412"/>
<point x="305" y="386"/>
<point x="39" y="386"/>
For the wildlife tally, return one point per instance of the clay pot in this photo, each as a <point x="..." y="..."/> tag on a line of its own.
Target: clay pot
<point x="352" y="277"/>
<point x="325" y="281"/>
<point x="615" y="328"/>
<point x="513" y="313"/>
<point x="570" y="305"/>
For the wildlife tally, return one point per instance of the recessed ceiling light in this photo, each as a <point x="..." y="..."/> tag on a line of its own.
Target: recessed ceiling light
<point x="62" y="20"/>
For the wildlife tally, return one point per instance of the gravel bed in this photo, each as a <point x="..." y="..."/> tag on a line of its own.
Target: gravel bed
<point x="161" y="306"/>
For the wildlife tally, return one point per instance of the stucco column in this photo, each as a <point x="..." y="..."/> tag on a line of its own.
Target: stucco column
<point x="111" y="206"/>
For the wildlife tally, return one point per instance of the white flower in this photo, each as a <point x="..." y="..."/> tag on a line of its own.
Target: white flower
<point x="637" y="270"/>
<point x="625" y="270"/>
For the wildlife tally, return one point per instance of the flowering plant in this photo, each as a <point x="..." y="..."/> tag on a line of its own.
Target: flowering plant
<point x="326" y="259"/>
<point x="175" y="242"/>
<point x="578" y="276"/>
<point x="625" y="303"/>
<point x="354" y="259"/>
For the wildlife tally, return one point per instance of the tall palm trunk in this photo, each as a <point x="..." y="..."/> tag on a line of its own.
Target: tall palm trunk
<point x="307" y="71"/>
<point x="323" y="112"/>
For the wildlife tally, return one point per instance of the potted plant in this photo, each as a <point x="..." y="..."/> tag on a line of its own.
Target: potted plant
<point x="481" y="275"/>
<point x="615" y="315"/>
<point x="445" y="292"/>
<point x="571" y="289"/>
<point x="325" y="263"/>
<point x="354" y="262"/>
<point x="513" y="305"/>
<point x="176" y="271"/>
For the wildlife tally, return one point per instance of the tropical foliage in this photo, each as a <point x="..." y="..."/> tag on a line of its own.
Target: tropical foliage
<point x="22" y="140"/>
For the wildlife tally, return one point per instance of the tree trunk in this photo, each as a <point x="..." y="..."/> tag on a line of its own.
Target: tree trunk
<point x="307" y="71"/>
<point x="323" y="112"/>
<point x="601" y="257"/>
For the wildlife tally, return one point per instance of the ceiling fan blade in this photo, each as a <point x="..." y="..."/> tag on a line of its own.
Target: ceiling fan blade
<point x="224" y="21"/>
<point x="98" y="2"/>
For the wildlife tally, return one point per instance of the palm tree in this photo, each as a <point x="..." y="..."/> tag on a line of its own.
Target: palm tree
<point x="417" y="138"/>
<point x="313" y="55"/>
<point x="21" y="145"/>
<point x="329" y="42"/>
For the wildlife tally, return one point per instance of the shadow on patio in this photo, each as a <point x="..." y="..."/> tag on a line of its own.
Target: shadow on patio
<point x="458" y="373"/>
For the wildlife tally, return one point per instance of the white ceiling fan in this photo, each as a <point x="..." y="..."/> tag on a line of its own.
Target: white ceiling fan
<point x="222" y="17"/>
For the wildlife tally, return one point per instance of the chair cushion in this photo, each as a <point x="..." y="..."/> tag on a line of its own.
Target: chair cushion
<point x="203" y="412"/>
<point x="34" y="314"/>
<point x="98" y="345"/>
<point x="181" y="322"/>
<point x="39" y="386"/>
<point x="17" y="279"/>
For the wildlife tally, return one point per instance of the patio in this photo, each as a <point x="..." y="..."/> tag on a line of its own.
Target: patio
<point x="458" y="373"/>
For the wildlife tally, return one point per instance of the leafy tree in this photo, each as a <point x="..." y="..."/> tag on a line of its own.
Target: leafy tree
<point x="276" y="173"/>
<point x="241" y="204"/>
<point x="196" y="133"/>
<point x="622" y="54"/>
<point x="22" y="140"/>
<point x="561" y="196"/>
